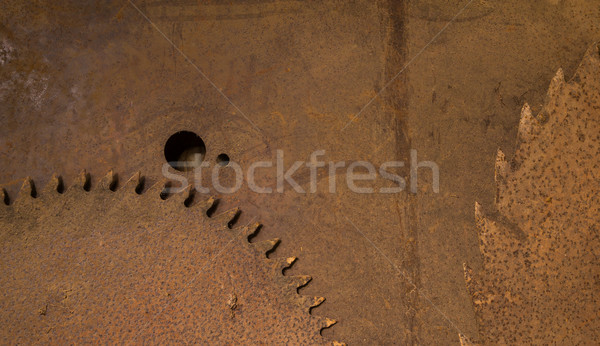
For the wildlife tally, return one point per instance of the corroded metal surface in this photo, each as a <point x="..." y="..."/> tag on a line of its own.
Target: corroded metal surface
<point x="101" y="85"/>
<point x="96" y="85"/>
<point x="103" y="263"/>
<point x="540" y="250"/>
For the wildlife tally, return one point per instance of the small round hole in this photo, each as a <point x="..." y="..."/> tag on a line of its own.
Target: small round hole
<point x="223" y="159"/>
<point x="184" y="151"/>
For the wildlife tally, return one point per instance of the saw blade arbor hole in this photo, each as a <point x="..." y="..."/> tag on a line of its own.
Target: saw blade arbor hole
<point x="184" y="151"/>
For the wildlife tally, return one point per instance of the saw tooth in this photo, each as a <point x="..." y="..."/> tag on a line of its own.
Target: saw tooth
<point x="266" y="246"/>
<point x="185" y="196"/>
<point x="312" y="302"/>
<point x="282" y="263"/>
<point x="82" y="182"/>
<point x="556" y="84"/>
<point x="527" y="124"/>
<point x="27" y="190"/>
<point x="54" y="185"/>
<point x="593" y="52"/>
<point x="134" y="184"/>
<point x="589" y="65"/>
<point x="502" y="167"/>
<point x="299" y="281"/>
<point x="110" y="181"/>
<point x="592" y="56"/>
<point x="161" y="188"/>
<point x="327" y="322"/>
<point x="228" y="218"/>
<point x="207" y="205"/>
<point x="251" y="230"/>
<point x="210" y="205"/>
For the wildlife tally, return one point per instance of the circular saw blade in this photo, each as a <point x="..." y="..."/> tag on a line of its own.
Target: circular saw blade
<point x="540" y="248"/>
<point x="122" y="265"/>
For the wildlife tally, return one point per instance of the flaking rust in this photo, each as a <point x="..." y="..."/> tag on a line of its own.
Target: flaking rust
<point x="542" y="288"/>
<point x="141" y="265"/>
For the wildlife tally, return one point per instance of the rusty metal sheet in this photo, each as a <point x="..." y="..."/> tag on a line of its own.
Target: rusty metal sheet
<point x="104" y="84"/>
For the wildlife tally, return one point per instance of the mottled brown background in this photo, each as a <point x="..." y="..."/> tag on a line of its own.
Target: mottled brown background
<point x="92" y="84"/>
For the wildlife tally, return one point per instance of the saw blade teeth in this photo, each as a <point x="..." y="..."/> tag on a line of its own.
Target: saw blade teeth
<point x="556" y="84"/>
<point x="527" y="124"/>
<point x="161" y="189"/>
<point x="327" y="322"/>
<point x="589" y="65"/>
<point x="185" y="196"/>
<point x="116" y="203"/>
<point x="266" y="246"/>
<point x="251" y="230"/>
<point x="207" y="205"/>
<point x="82" y="182"/>
<point x="533" y="245"/>
<point x="27" y="190"/>
<point x="287" y="262"/>
<point x="592" y="55"/>
<point x="312" y="302"/>
<point x="299" y="281"/>
<point x="109" y="181"/>
<point x="55" y="185"/>
<point x="280" y="264"/>
<point x="134" y="184"/>
<point x="227" y="218"/>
